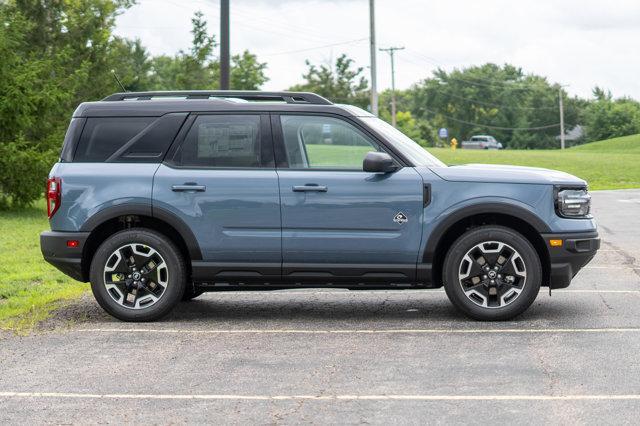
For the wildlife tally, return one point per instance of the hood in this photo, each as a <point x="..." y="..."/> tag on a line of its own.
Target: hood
<point x="506" y="174"/>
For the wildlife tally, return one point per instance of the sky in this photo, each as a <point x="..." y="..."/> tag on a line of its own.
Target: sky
<point x="577" y="43"/>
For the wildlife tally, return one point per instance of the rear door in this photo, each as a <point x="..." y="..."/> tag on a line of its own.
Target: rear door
<point x="339" y="222"/>
<point x="221" y="182"/>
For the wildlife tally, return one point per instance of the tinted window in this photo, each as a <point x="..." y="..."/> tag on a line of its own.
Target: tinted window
<point x="71" y="139"/>
<point x="102" y="137"/>
<point x="324" y="142"/>
<point x="150" y="145"/>
<point x="222" y="141"/>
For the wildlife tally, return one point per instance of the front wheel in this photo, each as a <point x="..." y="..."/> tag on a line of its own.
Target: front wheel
<point x="138" y="275"/>
<point x="492" y="273"/>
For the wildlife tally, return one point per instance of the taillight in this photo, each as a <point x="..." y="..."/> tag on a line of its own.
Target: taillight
<point x="53" y="195"/>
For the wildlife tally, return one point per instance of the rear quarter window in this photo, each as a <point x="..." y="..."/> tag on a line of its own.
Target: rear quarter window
<point x="103" y="136"/>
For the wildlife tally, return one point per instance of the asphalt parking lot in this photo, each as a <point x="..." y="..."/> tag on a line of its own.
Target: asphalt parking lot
<point x="335" y="356"/>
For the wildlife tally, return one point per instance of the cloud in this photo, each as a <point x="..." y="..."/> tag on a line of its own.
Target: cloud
<point x="581" y="43"/>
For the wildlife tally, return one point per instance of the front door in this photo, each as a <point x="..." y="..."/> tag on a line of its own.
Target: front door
<point x="221" y="182"/>
<point x="340" y="223"/>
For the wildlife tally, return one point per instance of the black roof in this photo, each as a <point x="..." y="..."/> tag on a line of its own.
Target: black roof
<point x="153" y="104"/>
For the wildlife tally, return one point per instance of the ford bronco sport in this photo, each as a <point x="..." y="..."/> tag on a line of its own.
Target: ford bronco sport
<point x="161" y="196"/>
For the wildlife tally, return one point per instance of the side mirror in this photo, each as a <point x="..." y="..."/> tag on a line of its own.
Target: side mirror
<point x="378" y="162"/>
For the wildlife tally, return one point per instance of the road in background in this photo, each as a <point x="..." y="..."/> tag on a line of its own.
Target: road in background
<point x="333" y="356"/>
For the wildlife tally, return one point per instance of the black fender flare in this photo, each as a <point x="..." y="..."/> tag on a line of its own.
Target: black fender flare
<point x="482" y="208"/>
<point x="141" y="209"/>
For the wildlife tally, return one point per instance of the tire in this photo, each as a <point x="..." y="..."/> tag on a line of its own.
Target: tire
<point x="191" y="292"/>
<point x="160" y="266"/>
<point x="516" y="281"/>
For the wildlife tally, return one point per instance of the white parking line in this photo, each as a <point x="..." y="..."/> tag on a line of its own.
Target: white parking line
<point x="68" y="395"/>
<point x="617" y="267"/>
<point x="365" y="331"/>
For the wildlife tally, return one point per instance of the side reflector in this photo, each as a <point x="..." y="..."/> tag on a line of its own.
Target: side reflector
<point x="555" y="243"/>
<point x="73" y="243"/>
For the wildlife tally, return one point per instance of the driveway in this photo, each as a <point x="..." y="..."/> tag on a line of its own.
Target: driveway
<point x="333" y="356"/>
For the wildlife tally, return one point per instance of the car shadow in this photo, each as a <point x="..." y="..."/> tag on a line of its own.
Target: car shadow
<point x="351" y="310"/>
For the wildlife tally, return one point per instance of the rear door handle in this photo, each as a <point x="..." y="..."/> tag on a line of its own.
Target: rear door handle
<point x="189" y="187"/>
<point x="310" y="187"/>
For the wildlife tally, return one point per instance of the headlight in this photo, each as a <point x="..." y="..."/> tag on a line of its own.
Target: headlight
<point x="573" y="203"/>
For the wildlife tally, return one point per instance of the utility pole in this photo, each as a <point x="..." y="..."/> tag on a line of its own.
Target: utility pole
<point x="392" y="51"/>
<point x="224" y="44"/>
<point x="372" y="45"/>
<point x="560" y="104"/>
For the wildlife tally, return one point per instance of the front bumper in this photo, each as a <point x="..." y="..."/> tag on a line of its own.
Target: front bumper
<point x="67" y="259"/>
<point x="565" y="261"/>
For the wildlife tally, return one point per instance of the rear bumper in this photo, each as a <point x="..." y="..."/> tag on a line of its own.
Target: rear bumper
<point x="67" y="259"/>
<point x="576" y="251"/>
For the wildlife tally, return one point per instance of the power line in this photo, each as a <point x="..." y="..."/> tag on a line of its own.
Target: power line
<point x="316" y="47"/>
<point x="507" y="107"/>
<point x="515" y="85"/>
<point x="488" y="126"/>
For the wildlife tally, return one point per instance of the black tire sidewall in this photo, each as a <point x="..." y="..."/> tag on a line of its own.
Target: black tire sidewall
<point x="172" y="257"/>
<point x="492" y="233"/>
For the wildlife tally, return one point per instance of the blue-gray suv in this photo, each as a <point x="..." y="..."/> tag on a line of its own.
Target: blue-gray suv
<point x="161" y="196"/>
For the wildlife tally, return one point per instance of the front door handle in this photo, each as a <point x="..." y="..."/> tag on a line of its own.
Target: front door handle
<point x="310" y="187"/>
<point x="189" y="187"/>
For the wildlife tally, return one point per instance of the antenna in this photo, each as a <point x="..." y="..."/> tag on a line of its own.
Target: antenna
<point x="118" y="80"/>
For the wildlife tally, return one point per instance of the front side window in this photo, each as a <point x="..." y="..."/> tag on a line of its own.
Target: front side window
<point x="317" y="142"/>
<point x="222" y="141"/>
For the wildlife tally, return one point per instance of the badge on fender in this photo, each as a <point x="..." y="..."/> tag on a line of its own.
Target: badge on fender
<point x="400" y="218"/>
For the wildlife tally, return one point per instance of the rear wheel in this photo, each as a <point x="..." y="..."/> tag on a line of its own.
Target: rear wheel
<point x="492" y="273"/>
<point x="138" y="275"/>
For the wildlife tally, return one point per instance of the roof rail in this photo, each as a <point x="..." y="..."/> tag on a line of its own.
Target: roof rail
<point x="248" y="95"/>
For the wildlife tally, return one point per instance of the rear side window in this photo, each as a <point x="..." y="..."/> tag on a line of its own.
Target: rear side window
<point x="102" y="137"/>
<point x="222" y="141"/>
<point x="71" y="139"/>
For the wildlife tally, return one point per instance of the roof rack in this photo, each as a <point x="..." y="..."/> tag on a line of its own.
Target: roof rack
<point x="248" y="95"/>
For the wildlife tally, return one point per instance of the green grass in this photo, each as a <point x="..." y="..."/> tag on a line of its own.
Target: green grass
<point x="336" y="155"/>
<point x="30" y="288"/>
<point x="610" y="164"/>
<point x="625" y="144"/>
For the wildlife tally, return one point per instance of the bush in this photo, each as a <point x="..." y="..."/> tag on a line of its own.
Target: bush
<point x="23" y="172"/>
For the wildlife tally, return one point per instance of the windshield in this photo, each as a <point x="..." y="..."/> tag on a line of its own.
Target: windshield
<point x="409" y="148"/>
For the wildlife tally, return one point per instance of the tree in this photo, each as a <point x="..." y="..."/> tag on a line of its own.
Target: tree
<point x="492" y="99"/>
<point x="246" y="72"/>
<point x="198" y="68"/>
<point x="340" y="83"/>
<point x="606" y="118"/>
<point x="54" y="55"/>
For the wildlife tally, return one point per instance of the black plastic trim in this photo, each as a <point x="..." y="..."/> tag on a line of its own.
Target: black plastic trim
<point x="339" y="272"/>
<point x="68" y="260"/>
<point x="290" y="275"/>
<point x="205" y="271"/>
<point x="566" y="261"/>
<point x="426" y="194"/>
<point x="147" y="210"/>
<point x="485" y="208"/>
<point x="249" y="95"/>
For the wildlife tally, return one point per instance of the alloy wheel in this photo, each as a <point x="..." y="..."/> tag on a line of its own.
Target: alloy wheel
<point x="136" y="276"/>
<point x="492" y="274"/>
